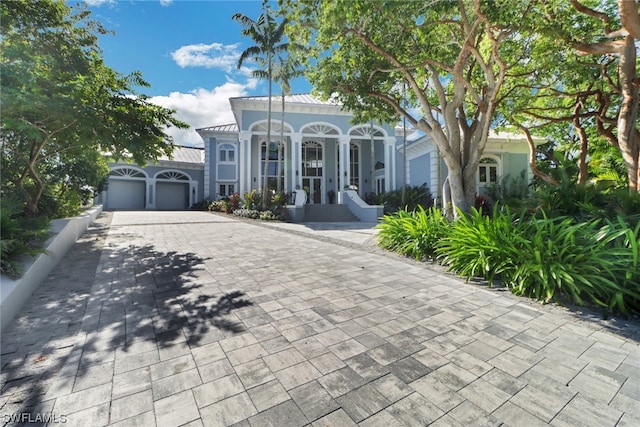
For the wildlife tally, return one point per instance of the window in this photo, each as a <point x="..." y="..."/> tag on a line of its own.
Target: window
<point x="311" y="159"/>
<point x="488" y="171"/>
<point x="354" y="165"/>
<point x="275" y="164"/>
<point x="226" y="153"/>
<point x="226" y="190"/>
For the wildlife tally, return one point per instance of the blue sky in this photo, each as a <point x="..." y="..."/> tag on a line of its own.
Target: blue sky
<point x="187" y="50"/>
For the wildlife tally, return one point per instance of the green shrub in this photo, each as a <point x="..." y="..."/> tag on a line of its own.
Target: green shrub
<point x="218" y="206"/>
<point x="413" y="233"/>
<point x="563" y="259"/>
<point x="251" y="199"/>
<point x="247" y="213"/>
<point x="202" y="205"/>
<point x="625" y="255"/>
<point x="549" y="259"/>
<point x="270" y="216"/>
<point x="414" y="197"/>
<point x="19" y="236"/>
<point x="481" y="246"/>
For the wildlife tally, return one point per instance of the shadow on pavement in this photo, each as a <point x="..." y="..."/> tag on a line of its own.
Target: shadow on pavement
<point x="137" y="302"/>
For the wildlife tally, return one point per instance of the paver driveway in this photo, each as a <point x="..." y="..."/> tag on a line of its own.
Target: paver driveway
<point x="167" y="319"/>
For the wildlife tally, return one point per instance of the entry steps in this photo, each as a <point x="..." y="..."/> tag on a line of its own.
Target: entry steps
<point x="328" y="213"/>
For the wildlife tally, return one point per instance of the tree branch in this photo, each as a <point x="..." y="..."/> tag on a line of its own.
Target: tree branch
<point x="532" y="159"/>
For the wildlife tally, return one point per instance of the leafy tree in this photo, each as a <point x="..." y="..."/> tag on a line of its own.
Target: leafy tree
<point x="61" y="102"/>
<point x="620" y="41"/>
<point x="452" y="56"/>
<point x="268" y="36"/>
<point x="582" y="71"/>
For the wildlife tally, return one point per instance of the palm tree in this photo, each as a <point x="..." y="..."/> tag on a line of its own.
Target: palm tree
<point x="267" y="35"/>
<point x="285" y="70"/>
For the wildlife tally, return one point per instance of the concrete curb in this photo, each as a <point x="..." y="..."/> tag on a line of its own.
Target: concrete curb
<point x="14" y="293"/>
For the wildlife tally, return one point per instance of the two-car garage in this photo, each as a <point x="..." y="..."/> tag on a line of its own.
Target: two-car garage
<point x="130" y="188"/>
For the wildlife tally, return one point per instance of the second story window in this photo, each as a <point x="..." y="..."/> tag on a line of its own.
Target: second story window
<point x="226" y="153"/>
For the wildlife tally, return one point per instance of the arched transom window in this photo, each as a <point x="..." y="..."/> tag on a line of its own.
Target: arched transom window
<point x="127" y="173"/>
<point x="173" y="176"/>
<point x="488" y="171"/>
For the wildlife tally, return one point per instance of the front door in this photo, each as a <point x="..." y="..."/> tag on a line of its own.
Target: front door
<point x="313" y="187"/>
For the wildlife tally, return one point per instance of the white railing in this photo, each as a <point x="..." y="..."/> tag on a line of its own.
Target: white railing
<point x="358" y="207"/>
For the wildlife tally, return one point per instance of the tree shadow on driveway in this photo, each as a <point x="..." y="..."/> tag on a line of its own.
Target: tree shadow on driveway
<point x="139" y="302"/>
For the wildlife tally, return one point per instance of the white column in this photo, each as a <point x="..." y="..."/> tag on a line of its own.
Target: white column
<point x="434" y="183"/>
<point x="296" y="160"/>
<point x="150" y="193"/>
<point x="390" y="142"/>
<point x="207" y="168"/>
<point x="345" y="161"/>
<point x="387" y="167"/>
<point x="193" y="193"/>
<point x="245" y="161"/>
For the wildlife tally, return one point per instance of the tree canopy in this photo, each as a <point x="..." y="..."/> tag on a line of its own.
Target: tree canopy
<point x="469" y="65"/>
<point x="452" y="58"/>
<point x="61" y="102"/>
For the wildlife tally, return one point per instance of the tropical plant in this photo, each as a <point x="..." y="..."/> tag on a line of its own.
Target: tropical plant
<point x="268" y="35"/>
<point x="251" y="199"/>
<point x="413" y="233"/>
<point x="415" y="196"/>
<point x="625" y="255"/>
<point x="19" y="236"/>
<point x="479" y="245"/>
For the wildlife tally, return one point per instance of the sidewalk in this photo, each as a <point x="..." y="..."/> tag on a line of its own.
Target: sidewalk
<point x="192" y="318"/>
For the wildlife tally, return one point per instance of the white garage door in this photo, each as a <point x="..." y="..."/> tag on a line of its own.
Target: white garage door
<point x="172" y="196"/>
<point x="125" y="194"/>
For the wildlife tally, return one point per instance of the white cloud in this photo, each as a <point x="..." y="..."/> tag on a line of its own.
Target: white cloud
<point x="98" y="3"/>
<point x="214" y="55"/>
<point x="201" y="108"/>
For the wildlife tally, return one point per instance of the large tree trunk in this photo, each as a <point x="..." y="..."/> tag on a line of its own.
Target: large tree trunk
<point x="630" y="17"/>
<point x="31" y="198"/>
<point x="583" y="172"/>
<point x="628" y="134"/>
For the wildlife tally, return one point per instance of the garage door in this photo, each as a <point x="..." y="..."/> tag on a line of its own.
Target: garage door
<point x="125" y="194"/>
<point x="172" y="196"/>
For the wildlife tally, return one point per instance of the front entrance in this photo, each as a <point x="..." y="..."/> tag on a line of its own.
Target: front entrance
<point x="312" y="171"/>
<point x="313" y="188"/>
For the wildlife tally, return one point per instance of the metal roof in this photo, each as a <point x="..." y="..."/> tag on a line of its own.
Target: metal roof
<point x="292" y="99"/>
<point x="232" y="127"/>
<point x="183" y="154"/>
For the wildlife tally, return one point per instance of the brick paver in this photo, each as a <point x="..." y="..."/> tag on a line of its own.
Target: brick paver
<point x="192" y="318"/>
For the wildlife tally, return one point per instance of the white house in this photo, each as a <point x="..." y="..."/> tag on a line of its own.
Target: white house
<point x="315" y="147"/>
